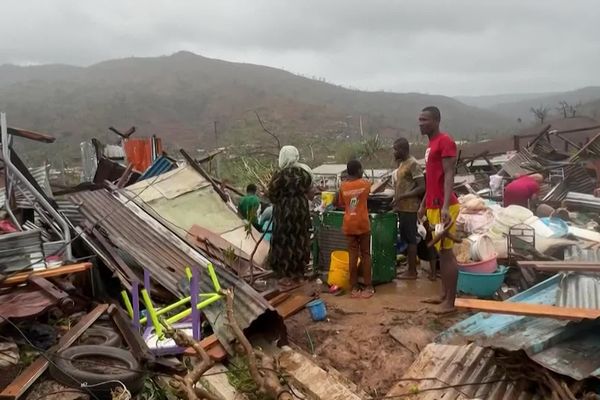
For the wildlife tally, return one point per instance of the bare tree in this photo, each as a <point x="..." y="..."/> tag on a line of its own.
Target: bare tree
<point x="568" y="110"/>
<point x="573" y="109"/>
<point x="274" y="136"/>
<point x="563" y="108"/>
<point x="541" y="113"/>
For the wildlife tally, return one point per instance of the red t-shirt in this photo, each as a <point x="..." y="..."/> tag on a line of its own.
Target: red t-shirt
<point x="440" y="147"/>
<point x="354" y="195"/>
<point x="520" y="191"/>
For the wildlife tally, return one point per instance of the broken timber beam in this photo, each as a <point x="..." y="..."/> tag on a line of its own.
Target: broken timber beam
<point x="22" y="277"/>
<point x="527" y="309"/>
<point x="192" y="163"/>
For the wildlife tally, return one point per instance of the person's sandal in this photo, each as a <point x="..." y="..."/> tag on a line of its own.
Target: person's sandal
<point x="355" y="294"/>
<point x="368" y="292"/>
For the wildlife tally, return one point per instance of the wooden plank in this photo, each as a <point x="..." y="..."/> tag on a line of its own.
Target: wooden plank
<point x="291" y="306"/>
<point x="212" y="346"/>
<point x="22" y="277"/>
<point x="526" y="309"/>
<point x="280" y="298"/>
<point x="557" y="266"/>
<point x="22" y="382"/>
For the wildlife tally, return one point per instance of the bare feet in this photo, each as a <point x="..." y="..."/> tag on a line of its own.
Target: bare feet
<point x="434" y="300"/>
<point x="356" y="293"/>
<point x="432" y="276"/>
<point x="408" y="276"/>
<point x="444" y="308"/>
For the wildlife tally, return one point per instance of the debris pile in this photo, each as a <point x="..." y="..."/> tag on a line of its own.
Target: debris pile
<point x="103" y="283"/>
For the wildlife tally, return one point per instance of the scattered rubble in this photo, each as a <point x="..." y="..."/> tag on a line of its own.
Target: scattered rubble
<point x="145" y="269"/>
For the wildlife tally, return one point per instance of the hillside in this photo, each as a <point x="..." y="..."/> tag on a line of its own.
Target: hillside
<point x="591" y="109"/>
<point x="179" y="97"/>
<point x="489" y="101"/>
<point x="520" y="109"/>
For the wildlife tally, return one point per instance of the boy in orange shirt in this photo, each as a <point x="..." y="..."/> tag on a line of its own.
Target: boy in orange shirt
<point x="354" y="194"/>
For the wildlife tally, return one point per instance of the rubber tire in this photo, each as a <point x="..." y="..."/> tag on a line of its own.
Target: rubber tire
<point x="63" y="371"/>
<point x="106" y="336"/>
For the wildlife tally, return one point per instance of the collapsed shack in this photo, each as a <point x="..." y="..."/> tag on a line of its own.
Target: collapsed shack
<point x="157" y="237"/>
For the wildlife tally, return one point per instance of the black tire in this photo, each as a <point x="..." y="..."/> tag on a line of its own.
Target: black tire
<point x="64" y="371"/>
<point x="100" y="336"/>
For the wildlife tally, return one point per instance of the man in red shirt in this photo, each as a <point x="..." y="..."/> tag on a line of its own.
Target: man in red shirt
<point x="440" y="203"/>
<point x="522" y="190"/>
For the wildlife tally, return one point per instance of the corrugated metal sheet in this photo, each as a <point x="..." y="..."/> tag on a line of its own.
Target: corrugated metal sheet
<point x="69" y="210"/>
<point x="23" y="197"/>
<point x="576" y="180"/>
<point x="159" y="166"/>
<point x="521" y="163"/>
<point x="140" y="152"/>
<point x="114" y="152"/>
<point x="31" y="226"/>
<point x="166" y="256"/>
<point x="89" y="161"/>
<point x="582" y="201"/>
<point x="458" y="365"/>
<point x="571" y="349"/>
<point x="21" y="249"/>
<point x="579" y="291"/>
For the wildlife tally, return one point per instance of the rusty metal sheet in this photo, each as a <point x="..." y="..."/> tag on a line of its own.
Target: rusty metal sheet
<point x="24" y="303"/>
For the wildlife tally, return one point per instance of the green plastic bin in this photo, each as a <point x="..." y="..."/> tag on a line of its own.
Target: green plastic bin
<point x="384" y="232"/>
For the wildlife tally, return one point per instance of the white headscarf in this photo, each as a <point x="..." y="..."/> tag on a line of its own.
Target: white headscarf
<point x="289" y="157"/>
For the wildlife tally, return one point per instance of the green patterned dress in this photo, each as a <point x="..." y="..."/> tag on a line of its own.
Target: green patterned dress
<point x="290" y="243"/>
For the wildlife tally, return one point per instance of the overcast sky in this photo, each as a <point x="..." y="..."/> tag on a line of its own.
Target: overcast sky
<point x="450" y="47"/>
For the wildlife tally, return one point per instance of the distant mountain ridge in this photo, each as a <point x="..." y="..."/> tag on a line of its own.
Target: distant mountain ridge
<point x="517" y="106"/>
<point x="180" y="96"/>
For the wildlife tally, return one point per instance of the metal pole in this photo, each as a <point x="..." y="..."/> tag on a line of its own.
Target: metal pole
<point x="44" y="203"/>
<point x="217" y="166"/>
<point x="7" y="180"/>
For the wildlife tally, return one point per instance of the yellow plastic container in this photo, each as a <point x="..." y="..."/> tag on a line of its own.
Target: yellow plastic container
<point x="339" y="272"/>
<point x="327" y="198"/>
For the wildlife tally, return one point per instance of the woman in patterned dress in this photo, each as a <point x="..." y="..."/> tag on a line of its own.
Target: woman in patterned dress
<point x="289" y="190"/>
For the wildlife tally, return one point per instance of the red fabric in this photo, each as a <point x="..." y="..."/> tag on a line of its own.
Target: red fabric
<point x="520" y="190"/>
<point x="354" y="195"/>
<point x="440" y="147"/>
<point x="7" y="227"/>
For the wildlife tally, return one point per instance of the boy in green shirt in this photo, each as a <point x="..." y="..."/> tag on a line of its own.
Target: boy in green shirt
<point x="250" y="205"/>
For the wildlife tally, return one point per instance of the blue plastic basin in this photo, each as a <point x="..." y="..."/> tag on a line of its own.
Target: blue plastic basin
<point x="481" y="285"/>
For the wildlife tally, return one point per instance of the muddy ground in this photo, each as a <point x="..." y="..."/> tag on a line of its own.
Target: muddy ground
<point x="356" y="339"/>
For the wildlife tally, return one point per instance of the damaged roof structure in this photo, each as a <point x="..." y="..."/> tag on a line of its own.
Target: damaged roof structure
<point x="146" y="221"/>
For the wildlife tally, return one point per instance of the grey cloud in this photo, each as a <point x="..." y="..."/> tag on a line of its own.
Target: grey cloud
<point x="448" y="47"/>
